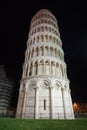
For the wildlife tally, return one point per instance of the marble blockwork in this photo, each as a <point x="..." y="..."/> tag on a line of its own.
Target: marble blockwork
<point x="44" y="88"/>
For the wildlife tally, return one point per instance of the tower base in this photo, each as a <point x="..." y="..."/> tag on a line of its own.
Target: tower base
<point x="45" y="98"/>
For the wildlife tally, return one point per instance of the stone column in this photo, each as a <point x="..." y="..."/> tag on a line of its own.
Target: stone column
<point x="71" y="107"/>
<point x="28" y="70"/>
<point x="54" y="52"/>
<point x="24" y="104"/>
<point x="36" y="113"/>
<point x="20" y="101"/>
<point x="45" y="51"/>
<point x="51" y="103"/>
<point x="34" y="53"/>
<point x="64" y="105"/>
<point x="59" y="71"/>
<point x="19" y="105"/>
<point x="24" y="72"/>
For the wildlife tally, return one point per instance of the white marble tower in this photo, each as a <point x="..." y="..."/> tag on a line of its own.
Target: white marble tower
<point x="44" y="88"/>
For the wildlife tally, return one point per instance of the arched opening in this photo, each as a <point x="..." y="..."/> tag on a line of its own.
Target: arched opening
<point x="42" y="38"/>
<point x="57" y="68"/>
<point x="36" y="68"/>
<point x="41" y="67"/>
<point x="30" y="73"/>
<point x="42" y="28"/>
<point x="37" y="39"/>
<point x="50" y="38"/>
<point x="32" y="54"/>
<point x="30" y="101"/>
<point x="47" y="67"/>
<point x="46" y="38"/>
<point x="41" y="51"/>
<point x="52" y="68"/>
<point x="46" y="51"/>
<point x="44" y="96"/>
<point x="37" y="51"/>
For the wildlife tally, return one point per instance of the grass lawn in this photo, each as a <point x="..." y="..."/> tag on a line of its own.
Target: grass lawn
<point x="30" y="124"/>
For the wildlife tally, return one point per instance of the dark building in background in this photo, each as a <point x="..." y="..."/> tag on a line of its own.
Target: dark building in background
<point x="6" y="93"/>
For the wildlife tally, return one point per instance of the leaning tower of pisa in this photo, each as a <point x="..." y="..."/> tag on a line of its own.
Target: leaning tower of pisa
<point x="44" y="88"/>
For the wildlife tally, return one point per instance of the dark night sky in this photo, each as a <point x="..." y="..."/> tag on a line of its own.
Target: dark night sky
<point x="72" y="21"/>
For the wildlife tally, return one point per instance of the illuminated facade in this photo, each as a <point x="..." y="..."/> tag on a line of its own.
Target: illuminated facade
<point x="44" y="88"/>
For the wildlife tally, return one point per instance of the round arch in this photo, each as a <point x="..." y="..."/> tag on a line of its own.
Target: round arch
<point x="46" y="81"/>
<point x="58" y="83"/>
